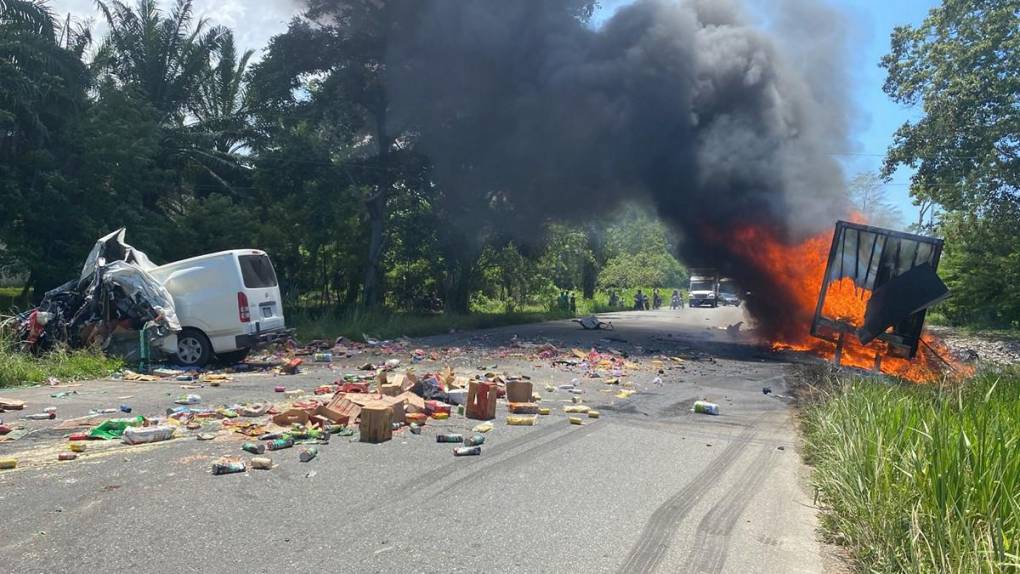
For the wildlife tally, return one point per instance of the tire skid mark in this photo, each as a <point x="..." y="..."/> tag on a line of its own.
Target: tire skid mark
<point x="713" y="532"/>
<point x="658" y="532"/>
<point x="532" y="452"/>
<point x="425" y="481"/>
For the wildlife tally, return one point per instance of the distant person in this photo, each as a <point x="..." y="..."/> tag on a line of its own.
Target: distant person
<point x="656" y="299"/>
<point x="614" y="299"/>
<point x="676" y="302"/>
<point x="639" y="301"/>
<point x="563" y="301"/>
<point x="573" y="303"/>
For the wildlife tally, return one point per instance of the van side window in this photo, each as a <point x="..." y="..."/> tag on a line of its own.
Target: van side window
<point x="257" y="271"/>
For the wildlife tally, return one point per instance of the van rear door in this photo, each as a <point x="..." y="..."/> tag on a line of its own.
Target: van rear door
<point x="262" y="291"/>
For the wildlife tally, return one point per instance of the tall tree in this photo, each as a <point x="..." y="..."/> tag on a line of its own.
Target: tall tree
<point x="43" y="86"/>
<point x="962" y="67"/>
<point x="869" y="197"/>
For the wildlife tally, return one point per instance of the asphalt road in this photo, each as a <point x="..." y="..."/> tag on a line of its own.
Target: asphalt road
<point x="648" y="487"/>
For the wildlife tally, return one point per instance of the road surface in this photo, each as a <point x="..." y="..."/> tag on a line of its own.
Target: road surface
<point x="648" y="487"/>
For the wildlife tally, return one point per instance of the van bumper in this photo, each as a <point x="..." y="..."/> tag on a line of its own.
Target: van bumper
<point x="262" y="338"/>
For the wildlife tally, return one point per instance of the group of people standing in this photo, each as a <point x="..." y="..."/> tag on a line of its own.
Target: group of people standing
<point x="644" y="303"/>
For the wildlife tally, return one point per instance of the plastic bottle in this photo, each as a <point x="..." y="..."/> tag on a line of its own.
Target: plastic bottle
<point x="706" y="408"/>
<point x="41" y="416"/>
<point x="308" y="454"/>
<point x="475" y="440"/>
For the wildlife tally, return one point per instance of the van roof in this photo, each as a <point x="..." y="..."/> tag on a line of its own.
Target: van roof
<point x="215" y="255"/>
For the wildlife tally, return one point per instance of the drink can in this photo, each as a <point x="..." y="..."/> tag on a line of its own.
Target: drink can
<point x="227" y="467"/>
<point x="308" y="454"/>
<point x="467" y="451"/>
<point x="475" y="440"/>
<point x="262" y="463"/>
<point x="253" y="448"/>
<point x="280" y="443"/>
<point x="67" y="456"/>
<point x="449" y="438"/>
<point x="326" y="357"/>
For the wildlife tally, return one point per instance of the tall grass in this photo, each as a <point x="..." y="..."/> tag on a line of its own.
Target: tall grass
<point x="18" y="368"/>
<point x="920" y="478"/>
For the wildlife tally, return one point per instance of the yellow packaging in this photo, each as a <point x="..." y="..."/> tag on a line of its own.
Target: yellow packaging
<point x="575" y="421"/>
<point x="576" y="409"/>
<point x="593" y="414"/>
<point x="8" y="463"/>
<point x="77" y="447"/>
<point x="624" y="394"/>
<point x="482" y="427"/>
<point x="550" y="389"/>
<point x="441" y="416"/>
<point x="522" y="421"/>
<point x="544" y="411"/>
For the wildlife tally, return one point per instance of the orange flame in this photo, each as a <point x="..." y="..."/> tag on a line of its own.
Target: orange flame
<point x="798" y="271"/>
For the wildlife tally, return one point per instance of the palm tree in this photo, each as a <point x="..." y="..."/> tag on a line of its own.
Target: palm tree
<point x="222" y="104"/>
<point x="41" y="82"/>
<point x="163" y="56"/>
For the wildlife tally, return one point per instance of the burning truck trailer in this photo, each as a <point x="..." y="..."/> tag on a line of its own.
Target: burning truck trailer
<point x="877" y="287"/>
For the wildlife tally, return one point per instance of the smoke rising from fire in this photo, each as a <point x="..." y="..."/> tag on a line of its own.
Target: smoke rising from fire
<point x="684" y="104"/>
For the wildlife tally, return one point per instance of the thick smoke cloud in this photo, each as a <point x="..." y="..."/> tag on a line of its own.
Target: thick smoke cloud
<point x="683" y="104"/>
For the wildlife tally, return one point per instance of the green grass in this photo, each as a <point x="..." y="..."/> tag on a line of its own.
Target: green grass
<point x="389" y="325"/>
<point x="919" y="478"/>
<point x="18" y="368"/>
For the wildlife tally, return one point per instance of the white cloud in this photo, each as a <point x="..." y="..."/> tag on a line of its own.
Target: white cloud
<point x="254" y="22"/>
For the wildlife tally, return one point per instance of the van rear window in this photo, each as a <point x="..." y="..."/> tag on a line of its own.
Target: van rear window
<point x="257" y="271"/>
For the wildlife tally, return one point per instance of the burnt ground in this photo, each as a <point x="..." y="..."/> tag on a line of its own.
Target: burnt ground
<point x="649" y="486"/>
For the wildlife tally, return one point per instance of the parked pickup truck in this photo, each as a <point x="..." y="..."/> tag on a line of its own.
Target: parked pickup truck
<point x="227" y="303"/>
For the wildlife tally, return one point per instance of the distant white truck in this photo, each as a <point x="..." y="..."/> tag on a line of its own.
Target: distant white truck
<point x="227" y="303"/>
<point x="704" y="288"/>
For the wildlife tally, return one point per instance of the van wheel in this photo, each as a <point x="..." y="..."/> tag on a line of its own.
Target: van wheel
<point x="193" y="348"/>
<point x="234" y="357"/>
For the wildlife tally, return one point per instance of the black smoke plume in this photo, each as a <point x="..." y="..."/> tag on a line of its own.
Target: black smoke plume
<point x="683" y="104"/>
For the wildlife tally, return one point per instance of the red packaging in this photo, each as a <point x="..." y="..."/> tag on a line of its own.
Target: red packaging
<point x="79" y="436"/>
<point x="432" y="407"/>
<point x="354" y="388"/>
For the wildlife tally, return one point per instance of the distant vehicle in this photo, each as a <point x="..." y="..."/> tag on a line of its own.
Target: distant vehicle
<point x="227" y="303"/>
<point x="729" y="293"/>
<point x="704" y="288"/>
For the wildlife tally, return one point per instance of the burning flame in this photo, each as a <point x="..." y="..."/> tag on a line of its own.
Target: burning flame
<point x="798" y="270"/>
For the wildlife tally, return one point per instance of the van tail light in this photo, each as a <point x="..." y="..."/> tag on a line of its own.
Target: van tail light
<point x="243" y="311"/>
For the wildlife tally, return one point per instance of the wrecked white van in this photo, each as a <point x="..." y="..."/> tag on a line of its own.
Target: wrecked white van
<point x="226" y="302"/>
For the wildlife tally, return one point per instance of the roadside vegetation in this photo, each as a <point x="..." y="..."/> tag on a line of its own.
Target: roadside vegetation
<point x="918" y="478"/>
<point x="485" y="313"/>
<point x="17" y="368"/>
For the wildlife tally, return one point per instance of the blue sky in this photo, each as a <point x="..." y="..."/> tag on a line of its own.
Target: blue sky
<point x="869" y="23"/>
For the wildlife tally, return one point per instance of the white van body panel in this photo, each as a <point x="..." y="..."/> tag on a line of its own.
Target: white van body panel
<point x="205" y="291"/>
